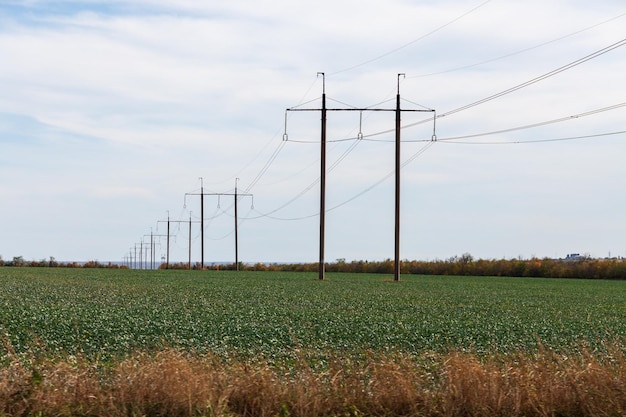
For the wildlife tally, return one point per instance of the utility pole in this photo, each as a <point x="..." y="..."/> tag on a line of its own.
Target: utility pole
<point x="201" y="220"/>
<point x="236" y="196"/>
<point x="237" y="227"/>
<point x="152" y="248"/>
<point x="322" y="262"/>
<point x="167" y="259"/>
<point x="141" y="254"/>
<point x="236" y="230"/>
<point x="324" y="111"/>
<point x="190" y="241"/>
<point x="167" y="265"/>
<point x="130" y="258"/>
<point x="396" y="266"/>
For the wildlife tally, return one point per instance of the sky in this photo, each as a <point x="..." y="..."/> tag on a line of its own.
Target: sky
<point x="115" y="114"/>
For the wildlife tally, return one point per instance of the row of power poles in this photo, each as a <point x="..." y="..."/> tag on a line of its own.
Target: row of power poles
<point x="322" y="213"/>
<point x="139" y="260"/>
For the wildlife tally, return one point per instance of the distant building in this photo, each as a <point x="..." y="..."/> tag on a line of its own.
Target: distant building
<point x="573" y="257"/>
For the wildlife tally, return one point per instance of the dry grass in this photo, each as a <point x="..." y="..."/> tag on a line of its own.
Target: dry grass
<point x="173" y="383"/>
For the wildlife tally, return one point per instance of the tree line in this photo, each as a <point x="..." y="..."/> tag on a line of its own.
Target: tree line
<point x="19" y="261"/>
<point x="583" y="267"/>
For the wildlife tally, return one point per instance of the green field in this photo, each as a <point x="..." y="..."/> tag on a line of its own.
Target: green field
<point x="106" y="313"/>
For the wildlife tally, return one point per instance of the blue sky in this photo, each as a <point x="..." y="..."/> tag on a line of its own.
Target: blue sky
<point x="110" y="112"/>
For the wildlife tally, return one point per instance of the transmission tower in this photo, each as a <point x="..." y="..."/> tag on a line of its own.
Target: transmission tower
<point x="236" y="196"/>
<point x="398" y="111"/>
<point x="168" y="221"/>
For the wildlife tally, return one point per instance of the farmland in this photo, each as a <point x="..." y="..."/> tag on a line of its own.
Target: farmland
<point x="108" y="313"/>
<point x="96" y="342"/>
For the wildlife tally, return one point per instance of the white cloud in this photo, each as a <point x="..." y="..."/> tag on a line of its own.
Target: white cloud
<point x="117" y="108"/>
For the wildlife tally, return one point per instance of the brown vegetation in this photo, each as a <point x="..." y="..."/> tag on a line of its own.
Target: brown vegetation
<point x="586" y="268"/>
<point x="173" y="383"/>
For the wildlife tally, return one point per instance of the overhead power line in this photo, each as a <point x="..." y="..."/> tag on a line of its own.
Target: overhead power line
<point x="393" y="51"/>
<point x="513" y="129"/>
<point x="535" y="80"/>
<point x="521" y="51"/>
<point x="267" y="165"/>
<point x="561" y="119"/>
<point x="517" y="142"/>
<point x="538" y="79"/>
<point x="417" y="154"/>
<point x="451" y="140"/>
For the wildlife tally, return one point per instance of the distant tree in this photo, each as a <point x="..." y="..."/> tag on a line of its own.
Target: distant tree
<point x="466" y="258"/>
<point x="18" y="261"/>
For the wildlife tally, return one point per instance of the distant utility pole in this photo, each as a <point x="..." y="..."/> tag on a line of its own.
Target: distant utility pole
<point x="130" y="258"/>
<point x="324" y="111"/>
<point x="189" y="241"/>
<point x="167" y="259"/>
<point x="201" y="221"/>
<point x="236" y="196"/>
<point x="167" y="264"/>
<point x="141" y="254"/>
<point x="152" y="247"/>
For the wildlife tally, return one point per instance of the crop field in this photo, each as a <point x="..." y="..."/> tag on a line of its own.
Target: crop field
<point x="94" y="342"/>
<point x="110" y="313"/>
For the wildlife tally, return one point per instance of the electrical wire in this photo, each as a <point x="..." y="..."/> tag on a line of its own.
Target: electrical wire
<point x="368" y="189"/>
<point x="521" y="51"/>
<point x="517" y="142"/>
<point x="535" y="80"/>
<point x="267" y="165"/>
<point x="545" y="76"/>
<point x="273" y="156"/>
<point x="548" y="122"/>
<point x="330" y="169"/>
<point x="385" y="178"/>
<point x="450" y="140"/>
<point x="513" y="129"/>
<point x="313" y="184"/>
<point x="432" y="32"/>
<point x="360" y="134"/>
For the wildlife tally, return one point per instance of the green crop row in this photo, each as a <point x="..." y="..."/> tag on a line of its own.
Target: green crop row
<point x="109" y="313"/>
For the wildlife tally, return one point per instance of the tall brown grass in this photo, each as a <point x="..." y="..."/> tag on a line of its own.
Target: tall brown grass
<point x="175" y="383"/>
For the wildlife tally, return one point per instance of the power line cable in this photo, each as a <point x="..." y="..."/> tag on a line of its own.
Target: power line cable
<point x="547" y="75"/>
<point x="513" y="129"/>
<point x="521" y="51"/>
<point x="267" y="165"/>
<point x="561" y="119"/>
<point x="275" y="153"/>
<point x="535" y="80"/>
<point x="516" y="142"/>
<point x="280" y="146"/>
<point x="368" y="189"/>
<point x="454" y="140"/>
<point x="314" y="183"/>
<point x="386" y="177"/>
<point x="432" y="32"/>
